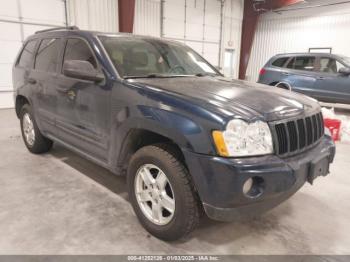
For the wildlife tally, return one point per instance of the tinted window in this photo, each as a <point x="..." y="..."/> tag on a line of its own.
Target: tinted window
<point x="47" y="56"/>
<point x="136" y="57"/>
<point x="306" y="63"/>
<point x="330" y="65"/>
<point x="280" y="61"/>
<point x="27" y="55"/>
<point x="77" y="49"/>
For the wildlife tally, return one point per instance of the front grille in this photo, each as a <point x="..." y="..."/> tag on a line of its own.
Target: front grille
<point x="293" y="136"/>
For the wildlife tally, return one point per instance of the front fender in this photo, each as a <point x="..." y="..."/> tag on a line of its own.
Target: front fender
<point x="188" y="134"/>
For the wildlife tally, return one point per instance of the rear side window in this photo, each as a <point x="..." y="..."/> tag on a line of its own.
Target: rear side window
<point x="305" y="63"/>
<point x="78" y="49"/>
<point x="280" y="61"/>
<point x="47" y="56"/>
<point x="27" y="54"/>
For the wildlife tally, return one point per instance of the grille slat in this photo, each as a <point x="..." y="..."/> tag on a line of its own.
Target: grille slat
<point x="297" y="134"/>
<point x="293" y="136"/>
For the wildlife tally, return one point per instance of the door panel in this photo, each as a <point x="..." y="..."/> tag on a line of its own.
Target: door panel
<point x="44" y="78"/>
<point x="83" y="106"/>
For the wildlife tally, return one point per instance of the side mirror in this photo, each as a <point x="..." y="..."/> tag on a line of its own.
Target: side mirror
<point x="82" y="70"/>
<point x="345" y="71"/>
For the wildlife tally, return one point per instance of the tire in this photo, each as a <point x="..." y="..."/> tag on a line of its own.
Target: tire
<point x="36" y="142"/>
<point x="185" y="216"/>
<point x="283" y="86"/>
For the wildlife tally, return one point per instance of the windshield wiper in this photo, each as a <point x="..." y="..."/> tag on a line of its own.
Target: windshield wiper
<point x="154" y="76"/>
<point x="205" y="74"/>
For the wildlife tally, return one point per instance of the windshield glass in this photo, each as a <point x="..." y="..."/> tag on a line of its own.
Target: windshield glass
<point x="346" y="60"/>
<point x="135" y="57"/>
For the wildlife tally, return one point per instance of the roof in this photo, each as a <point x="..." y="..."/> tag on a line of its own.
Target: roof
<point x="306" y="54"/>
<point x="73" y="30"/>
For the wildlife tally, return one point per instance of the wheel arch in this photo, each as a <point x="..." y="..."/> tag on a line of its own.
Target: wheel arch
<point x="19" y="103"/>
<point x="285" y="84"/>
<point x="137" y="138"/>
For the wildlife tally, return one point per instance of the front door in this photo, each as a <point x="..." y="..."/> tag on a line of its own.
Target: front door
<point x="83" y="108"/>
<point x="331" y="86"/>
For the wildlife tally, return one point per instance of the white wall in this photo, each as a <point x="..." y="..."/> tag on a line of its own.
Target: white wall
<point x="98" y="15"/>
<point x="19" y="19"/>
<point x="297" y="31"/>
<point x="232" y="31"/>
<point x="147" y="17"/>
<point x="196" y="23"/>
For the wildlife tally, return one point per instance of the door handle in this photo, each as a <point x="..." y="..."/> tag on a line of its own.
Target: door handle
<point x="286" y="74"/>
<point x="32" y="81"/>
<point x="321" y="78"/>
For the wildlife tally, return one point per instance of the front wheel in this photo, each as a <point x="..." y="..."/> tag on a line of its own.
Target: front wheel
<point x="32" y="137"/>
<point x="162" y="193"/>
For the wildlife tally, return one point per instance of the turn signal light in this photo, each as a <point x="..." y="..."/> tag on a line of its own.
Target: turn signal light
<point x="220" y="143"/>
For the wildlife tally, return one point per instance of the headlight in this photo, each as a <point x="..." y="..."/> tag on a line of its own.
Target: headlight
<point x="244" y="139"/>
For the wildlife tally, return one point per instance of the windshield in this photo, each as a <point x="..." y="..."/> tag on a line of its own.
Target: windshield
<point x="346" y="60"/>
<point x="135" y="57"/>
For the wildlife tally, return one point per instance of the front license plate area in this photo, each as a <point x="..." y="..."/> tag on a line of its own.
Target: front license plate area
<point x="318" y="167"/>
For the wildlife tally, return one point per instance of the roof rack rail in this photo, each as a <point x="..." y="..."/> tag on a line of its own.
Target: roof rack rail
<point x="58" y="28"/>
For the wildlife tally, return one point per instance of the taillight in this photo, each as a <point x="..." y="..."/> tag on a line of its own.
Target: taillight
<point x="262" y="71"/>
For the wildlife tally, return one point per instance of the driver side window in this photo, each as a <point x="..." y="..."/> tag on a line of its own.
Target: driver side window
<point x="330" y="65"/>
<point x="77" y="49"/>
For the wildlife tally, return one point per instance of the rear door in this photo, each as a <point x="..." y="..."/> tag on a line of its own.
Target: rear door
<point x="301" y="74"/>
<point x="331" y="86"/>
<point x="24" y="65"/>
<point x="44" y="78"/>
<point x="83" y="107"/>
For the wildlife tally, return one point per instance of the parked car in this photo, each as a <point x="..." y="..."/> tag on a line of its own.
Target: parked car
<point x="324" y="77"/>
<point x="187" y="138"/>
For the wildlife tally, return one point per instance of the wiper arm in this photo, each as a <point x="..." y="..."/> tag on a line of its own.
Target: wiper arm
<point x="154" y="76"/>
<point x="145" y="76"/>
<point x="205" y="74"/>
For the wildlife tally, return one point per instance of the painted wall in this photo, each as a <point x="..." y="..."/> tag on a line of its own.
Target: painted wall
<point x="147" y="17"/>
<point x="99" y="15"/>
<point x="18" y="20"/>
<point x="232" y="30"/>
<point x="297" y="31"/>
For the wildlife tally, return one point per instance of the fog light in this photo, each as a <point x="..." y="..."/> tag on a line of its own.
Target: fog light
<point x="253" y="187"/>
<point x="247" y="186"/>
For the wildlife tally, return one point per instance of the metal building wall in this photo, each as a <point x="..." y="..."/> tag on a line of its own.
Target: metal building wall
<point x="99" y="15"/>
<point x="147" y="17"/>
<point x="231" y="32"/>
<point x="297" y="32"/>
<point x="18" y="20"/>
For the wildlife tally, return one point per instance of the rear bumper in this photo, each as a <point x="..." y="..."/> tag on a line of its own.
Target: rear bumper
<point x="219" y="181"/>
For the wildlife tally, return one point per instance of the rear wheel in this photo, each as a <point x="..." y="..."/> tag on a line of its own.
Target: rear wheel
<point x="162" y="194"/>
<point x="283" y="86"/>
<point x="32" y="137"/>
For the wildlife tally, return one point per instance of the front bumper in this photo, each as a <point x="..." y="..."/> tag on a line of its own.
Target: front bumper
<point x="219" y="180"/>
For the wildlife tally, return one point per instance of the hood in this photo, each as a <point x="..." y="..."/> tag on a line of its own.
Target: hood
<point x="249" y="100"/>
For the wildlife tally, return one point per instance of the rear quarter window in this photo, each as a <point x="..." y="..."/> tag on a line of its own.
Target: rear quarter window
<point x="280" y="62"/>
<point x="27" y="54"/>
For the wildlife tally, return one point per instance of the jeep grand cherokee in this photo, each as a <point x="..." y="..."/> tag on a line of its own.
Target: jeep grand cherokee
<point x="187" y="138"/>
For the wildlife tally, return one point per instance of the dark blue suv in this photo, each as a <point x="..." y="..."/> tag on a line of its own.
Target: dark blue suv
<point x="321" y="76"/>
<point x="187" y="138"/>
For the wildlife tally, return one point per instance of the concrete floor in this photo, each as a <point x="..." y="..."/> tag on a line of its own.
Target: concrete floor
<point x="60" y="203"/>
